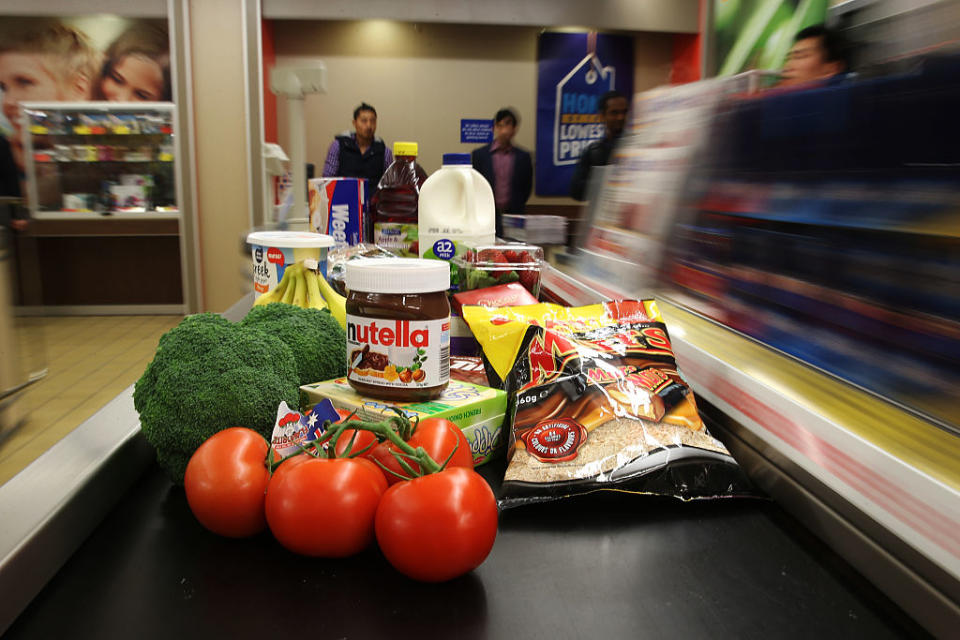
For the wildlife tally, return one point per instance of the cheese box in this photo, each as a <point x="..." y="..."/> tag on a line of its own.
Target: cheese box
<point x="477" y="410"/>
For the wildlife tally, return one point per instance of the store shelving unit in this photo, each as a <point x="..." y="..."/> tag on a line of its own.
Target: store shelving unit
<point x="102" y="192"/>
<point x="809" y="270"/>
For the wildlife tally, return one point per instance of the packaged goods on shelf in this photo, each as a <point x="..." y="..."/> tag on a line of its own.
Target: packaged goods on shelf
<point x="539" y="229"/>
<point x="477" y="410"/>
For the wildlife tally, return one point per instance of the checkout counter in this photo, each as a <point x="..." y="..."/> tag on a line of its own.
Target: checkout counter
<point x="859" y="539"/>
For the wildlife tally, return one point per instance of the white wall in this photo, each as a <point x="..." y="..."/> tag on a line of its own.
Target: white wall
<point x="423" y="78"/>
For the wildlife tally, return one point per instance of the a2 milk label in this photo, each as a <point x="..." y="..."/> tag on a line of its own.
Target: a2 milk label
<point x="398" y="353"/>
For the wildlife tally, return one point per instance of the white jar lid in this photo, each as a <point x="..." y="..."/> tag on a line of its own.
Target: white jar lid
<point x="397" y="275"/>
<point x="290" y="239"/>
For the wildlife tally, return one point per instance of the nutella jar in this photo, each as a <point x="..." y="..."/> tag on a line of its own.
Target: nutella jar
<point x="398" y="328"/>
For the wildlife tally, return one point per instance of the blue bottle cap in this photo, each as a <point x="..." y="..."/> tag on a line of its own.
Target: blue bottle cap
<point x="456" y="158"/>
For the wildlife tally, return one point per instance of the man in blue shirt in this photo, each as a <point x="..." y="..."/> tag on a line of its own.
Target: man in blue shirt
<point x="359" y="154"/>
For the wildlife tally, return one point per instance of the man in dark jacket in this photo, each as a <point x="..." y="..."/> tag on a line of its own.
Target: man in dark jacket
<point x="507" y="168"/>
<point x="613" y="111"/>
<point x="359" y="154"/>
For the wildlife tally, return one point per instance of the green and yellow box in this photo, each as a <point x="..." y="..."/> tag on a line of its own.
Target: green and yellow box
<point x="478" y="411"/>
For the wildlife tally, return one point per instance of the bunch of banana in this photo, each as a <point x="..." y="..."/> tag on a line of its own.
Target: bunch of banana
<point x="298" y="287"/>
<point x="304" y="286"/>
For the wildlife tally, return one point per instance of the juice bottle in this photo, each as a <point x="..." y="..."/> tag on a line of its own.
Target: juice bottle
<point x="394" y="207"/>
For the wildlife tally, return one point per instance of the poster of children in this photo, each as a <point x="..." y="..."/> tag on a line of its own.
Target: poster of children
<point x="99" y="57"/>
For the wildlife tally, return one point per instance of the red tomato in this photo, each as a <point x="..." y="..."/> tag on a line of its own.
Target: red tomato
<point x="382" y="453"/>
<point x="360" y="442"/>
<point x="324" y="507"/>
<point x="437" y="527"/>
<point x="439" y="437"/>
<point x="225" y="482"/>
<point x="343" y="413"/>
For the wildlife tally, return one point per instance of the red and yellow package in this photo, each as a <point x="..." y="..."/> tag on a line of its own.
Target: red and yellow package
<point x="596" y="402"/>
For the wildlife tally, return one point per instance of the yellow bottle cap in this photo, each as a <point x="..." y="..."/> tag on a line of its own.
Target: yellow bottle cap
<point x="404" y="148"/>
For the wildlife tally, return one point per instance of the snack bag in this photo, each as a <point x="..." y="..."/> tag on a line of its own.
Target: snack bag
<point x="596" y="402"/>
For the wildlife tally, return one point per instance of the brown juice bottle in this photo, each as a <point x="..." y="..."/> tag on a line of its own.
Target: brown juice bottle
<point x="394" y="207"/>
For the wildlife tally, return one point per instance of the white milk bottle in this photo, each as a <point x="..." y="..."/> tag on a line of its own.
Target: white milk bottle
<point x="456" y="208"/>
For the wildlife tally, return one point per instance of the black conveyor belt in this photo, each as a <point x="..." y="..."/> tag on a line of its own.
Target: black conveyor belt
<point x="606" y="566"/>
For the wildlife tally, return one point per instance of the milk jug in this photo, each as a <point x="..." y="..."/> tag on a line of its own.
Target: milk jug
<point x="456" y="208"/>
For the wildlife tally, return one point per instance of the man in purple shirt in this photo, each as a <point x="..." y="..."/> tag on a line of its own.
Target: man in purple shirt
<point x="359" y="154"/>
<point x="508" y="168"/>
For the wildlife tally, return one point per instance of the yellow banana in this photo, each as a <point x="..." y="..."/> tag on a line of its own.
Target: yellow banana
<point x="275" y="294"/>
<point x="336" y="302"/>
<point x="300" y="293"/>
<point x="314" y="297"/>
<point x="291" y="289"/>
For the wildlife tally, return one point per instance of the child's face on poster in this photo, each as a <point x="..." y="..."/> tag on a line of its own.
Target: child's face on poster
<point x="24" y="78"/>
<point x="134" y="78"/>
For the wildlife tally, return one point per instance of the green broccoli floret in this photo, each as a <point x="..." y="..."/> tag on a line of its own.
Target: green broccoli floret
<point x="317" y="340"/>
<point x="209" y="374"/>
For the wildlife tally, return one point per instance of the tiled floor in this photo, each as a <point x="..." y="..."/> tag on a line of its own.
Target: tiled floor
<point x="89" y="361"/>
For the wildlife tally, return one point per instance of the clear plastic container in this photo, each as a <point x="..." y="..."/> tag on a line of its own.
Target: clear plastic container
<point x="394" y="207"/>
<point x="488" y="265"/>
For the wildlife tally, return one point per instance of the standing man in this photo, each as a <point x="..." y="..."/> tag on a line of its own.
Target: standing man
<point x="816" y="55"/>
<point x="359" y="154"/>
<point x="613" y="111"/>
<point x="507" y="168"/>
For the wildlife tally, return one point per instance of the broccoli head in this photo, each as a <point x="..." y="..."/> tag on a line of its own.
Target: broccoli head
<point x="209" y="374"/>
<point x="317" y="340"/>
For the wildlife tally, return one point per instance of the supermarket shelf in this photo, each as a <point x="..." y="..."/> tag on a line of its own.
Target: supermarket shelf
<point x="158" y="161"/>
<point x="93" y="215"/>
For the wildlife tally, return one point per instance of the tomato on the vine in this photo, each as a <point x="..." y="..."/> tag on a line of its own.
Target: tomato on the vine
<point x="324" y="507"/>
<point x="438" y="437"/>
<point x="225" y="482"/>
<point x="439" y="526"/>
<point x="361" y="441"/>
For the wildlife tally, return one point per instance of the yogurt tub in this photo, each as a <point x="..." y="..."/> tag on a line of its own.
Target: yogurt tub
<point x="274" y="251"/>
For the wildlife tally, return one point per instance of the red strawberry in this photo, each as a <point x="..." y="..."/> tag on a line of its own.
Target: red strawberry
<point x="492" y="257"/>
<point x="529" y="279"/>
<point x="513" y="256"/>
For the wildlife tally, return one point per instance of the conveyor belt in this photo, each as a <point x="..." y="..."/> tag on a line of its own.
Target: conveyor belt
<point x="611" y="566"/>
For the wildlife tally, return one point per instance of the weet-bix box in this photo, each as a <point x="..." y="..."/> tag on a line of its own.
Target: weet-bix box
<point x="337" y="209"/>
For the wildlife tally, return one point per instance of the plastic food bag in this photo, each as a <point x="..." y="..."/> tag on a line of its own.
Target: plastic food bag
<point x="596" y="402"/>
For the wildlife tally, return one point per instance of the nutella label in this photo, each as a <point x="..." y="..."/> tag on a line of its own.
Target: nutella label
<point x="412" y="354"/>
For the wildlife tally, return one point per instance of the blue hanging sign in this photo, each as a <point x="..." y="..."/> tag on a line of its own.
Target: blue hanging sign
<point x="573" y="71"/>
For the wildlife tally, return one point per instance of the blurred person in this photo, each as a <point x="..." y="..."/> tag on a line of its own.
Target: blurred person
<point x="136" y="67"/>
<point x="816" y="55"/>
<point x="508" y="168"/>
<point x="613" y="111"/>
<point x="50" y="62"/>
<point x="359" y="154"/>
